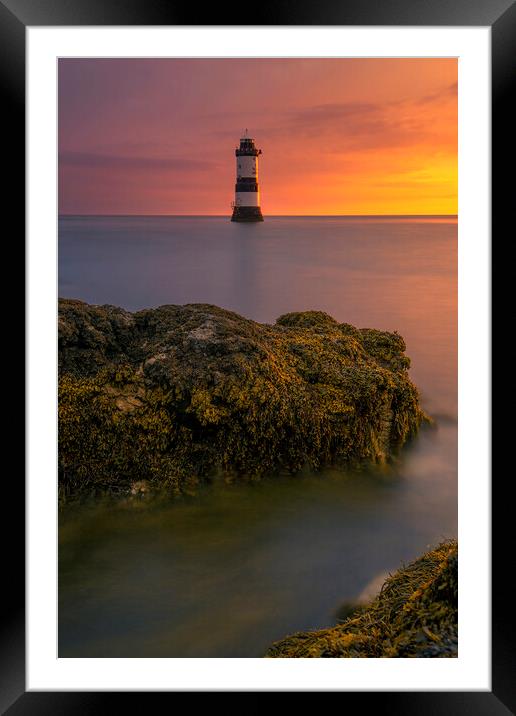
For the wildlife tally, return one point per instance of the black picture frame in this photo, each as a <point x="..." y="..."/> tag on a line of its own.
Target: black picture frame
<point x="15" y="17"/>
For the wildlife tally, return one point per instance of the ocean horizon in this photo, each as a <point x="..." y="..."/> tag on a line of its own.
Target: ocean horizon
<point x="279" y="216"/>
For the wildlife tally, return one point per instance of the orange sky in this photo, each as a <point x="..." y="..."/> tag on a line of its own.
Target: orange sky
<point x="339" y="136"/>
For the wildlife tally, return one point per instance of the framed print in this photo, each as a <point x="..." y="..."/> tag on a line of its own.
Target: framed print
<point x="249" y="435"/>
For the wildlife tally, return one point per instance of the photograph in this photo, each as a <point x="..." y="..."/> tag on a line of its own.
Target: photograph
<point x="259" y="261"/>
<point x="257" y="357"/>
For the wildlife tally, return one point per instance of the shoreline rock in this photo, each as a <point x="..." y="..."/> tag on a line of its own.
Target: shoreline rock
<point x="413" y="616"/>
<point x="178" y="393"/>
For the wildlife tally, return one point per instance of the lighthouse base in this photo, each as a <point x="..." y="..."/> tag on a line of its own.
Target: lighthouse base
<point x="247" y="213"/>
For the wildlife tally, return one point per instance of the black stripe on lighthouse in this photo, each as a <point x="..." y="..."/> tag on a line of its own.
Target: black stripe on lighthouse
<point x="241" y="186"/>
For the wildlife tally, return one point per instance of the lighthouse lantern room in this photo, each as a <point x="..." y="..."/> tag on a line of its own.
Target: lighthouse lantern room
<point x="246" y="206"/>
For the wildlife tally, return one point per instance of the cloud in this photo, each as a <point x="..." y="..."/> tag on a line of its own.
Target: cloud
<point x="446" y="93"/>
<point x="86" y="160"/>
<point x="343" y="127"/>
<point x="330" y="112"/>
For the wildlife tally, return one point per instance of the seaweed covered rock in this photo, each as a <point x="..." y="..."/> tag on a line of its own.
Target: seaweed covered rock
<point x="414" y="615"/>
<point x="180" y="392"/>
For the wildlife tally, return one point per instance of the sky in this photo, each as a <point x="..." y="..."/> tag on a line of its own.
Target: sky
<point x="338" y="136"/>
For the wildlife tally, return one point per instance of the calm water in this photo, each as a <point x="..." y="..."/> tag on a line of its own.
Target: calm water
<point x="227" y="571"/>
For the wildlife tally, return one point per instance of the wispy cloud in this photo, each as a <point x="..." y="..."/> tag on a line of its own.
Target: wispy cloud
<point x="354" y="125"/>
<point x="88" y="160"/>
<point x="446" y="93"/>
<point x="333" y="111"/>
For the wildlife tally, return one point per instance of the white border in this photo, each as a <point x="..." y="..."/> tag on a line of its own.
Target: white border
<point x="471" y="671"/>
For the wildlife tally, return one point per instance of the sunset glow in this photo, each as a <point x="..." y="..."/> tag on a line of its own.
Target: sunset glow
<point x="339" y="136"/>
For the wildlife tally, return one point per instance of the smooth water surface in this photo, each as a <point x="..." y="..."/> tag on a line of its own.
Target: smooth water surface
<point x="227" y="571"/>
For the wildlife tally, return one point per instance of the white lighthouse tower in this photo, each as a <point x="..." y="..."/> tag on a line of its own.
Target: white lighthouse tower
<point x="246" y="206"/>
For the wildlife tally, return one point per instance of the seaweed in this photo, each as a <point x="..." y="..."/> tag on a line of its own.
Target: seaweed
<point x="180" y="393"/>
<point x="413" y="616"/>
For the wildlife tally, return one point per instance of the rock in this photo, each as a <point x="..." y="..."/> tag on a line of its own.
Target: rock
<point x="414" y="615"/>
<point x="182" y="392"/>
<point x="140" y="487"/>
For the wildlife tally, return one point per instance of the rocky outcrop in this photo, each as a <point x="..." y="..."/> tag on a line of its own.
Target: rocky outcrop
<point x="414" y="615"/>
<point x="177" y="393"/>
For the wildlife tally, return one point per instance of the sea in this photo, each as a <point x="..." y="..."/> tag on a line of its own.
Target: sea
<point x="229" y="569"/>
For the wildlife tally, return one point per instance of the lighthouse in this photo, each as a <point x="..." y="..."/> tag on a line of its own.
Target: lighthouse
<point x="246" y="206"/>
